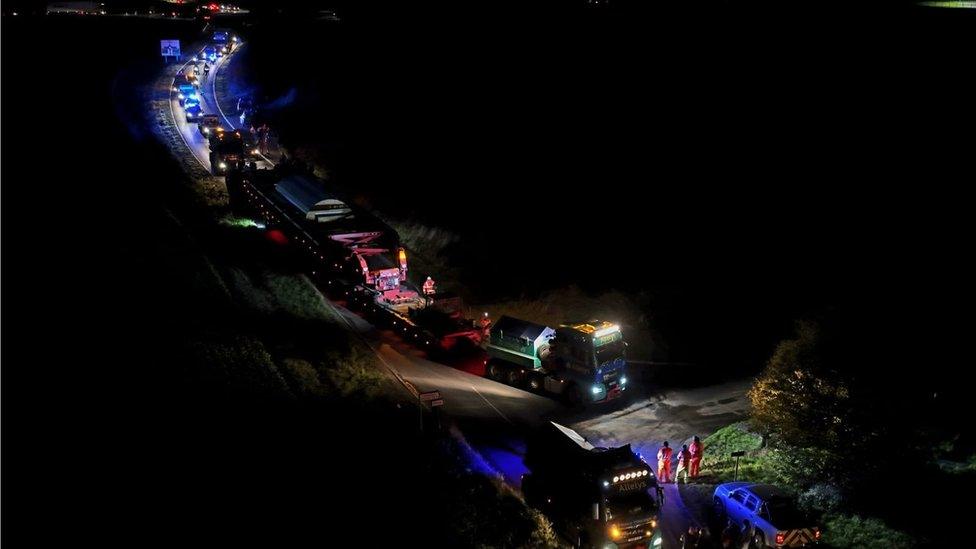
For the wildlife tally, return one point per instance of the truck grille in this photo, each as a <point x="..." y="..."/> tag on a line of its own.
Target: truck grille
<point x="634" y="532"/>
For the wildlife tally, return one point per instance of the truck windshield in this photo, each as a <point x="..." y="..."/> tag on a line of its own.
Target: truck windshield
<point x="609" y="352"/>
<point x="629" y="505"/>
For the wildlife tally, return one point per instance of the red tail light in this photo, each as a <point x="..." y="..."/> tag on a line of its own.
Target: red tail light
<point x="780" y="538"/>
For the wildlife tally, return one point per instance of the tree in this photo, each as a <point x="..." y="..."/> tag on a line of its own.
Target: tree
<point x="805" y="403"/>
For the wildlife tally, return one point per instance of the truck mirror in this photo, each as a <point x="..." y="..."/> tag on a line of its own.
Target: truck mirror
<point x="596" y="511"/>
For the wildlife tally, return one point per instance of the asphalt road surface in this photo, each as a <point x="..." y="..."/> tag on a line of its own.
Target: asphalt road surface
<point x="495" y="418"/>
<point x="207" y="91"/>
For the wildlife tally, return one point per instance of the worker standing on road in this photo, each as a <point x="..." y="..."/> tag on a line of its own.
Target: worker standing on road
<point x="429" y="286"/>
<point x="485" y="324"/>
<point x="664" y="463"/>
<point x="684" y="461"/>
<point x="697" y="449"/>
<point x="696" y="537"/>
<point x="747" y="536"/>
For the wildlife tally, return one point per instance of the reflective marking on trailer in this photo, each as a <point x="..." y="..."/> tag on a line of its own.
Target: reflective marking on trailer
<point x="799" y="537"/>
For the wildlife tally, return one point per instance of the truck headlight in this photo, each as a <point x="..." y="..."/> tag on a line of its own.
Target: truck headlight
<point x="623" y="380"/>
<point x="222" y="166"/>
<point x="596" y="389"/>
<point x="181" y="96"/>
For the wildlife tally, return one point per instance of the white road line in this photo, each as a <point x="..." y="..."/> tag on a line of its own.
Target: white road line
<point x="488" y="402"/>
<point x="216" y="99"/>
<point x="176" y="125"/>
<point x="213" y="86"/>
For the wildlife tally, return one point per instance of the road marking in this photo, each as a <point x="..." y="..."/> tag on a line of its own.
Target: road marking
<point x="176" y="124"/>
<point x="213" y="86"/>
<point x="216" y="99"/>
<point x="488" y="402"/>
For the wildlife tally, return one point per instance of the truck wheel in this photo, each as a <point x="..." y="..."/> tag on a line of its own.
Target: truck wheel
<point x="494" y="372"/>
<point x="759" y="540"/>
<point x="574" y="397"/>
<point x="513" y="378"/>
<point x="534" y="383"/>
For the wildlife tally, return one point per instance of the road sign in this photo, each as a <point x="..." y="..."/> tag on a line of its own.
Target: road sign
<point x="737" y="455"/>
<point x="169" y="48"/>
<point x="432" y="395"/>
<point x="435" y="403"/>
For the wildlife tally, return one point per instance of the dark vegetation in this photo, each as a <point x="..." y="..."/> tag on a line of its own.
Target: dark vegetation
<point x="833" y="420"/>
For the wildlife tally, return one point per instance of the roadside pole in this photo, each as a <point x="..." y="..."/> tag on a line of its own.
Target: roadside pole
<point x="434" y="398"/>
<point x="737" y="455"/>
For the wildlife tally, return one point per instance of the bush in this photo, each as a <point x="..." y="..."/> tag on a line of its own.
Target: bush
<point x="800" y="467"/>
<point x="303" y="378"/>
<point x="355" y="375"/>
<point x="485" y="513"/>
<point x="732" y="438"/>
<point x="843" y="531"/>
<point x="718" y="465"/>
<point x="821" y="498"/>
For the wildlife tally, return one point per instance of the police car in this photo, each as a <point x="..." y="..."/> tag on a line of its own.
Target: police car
<point x="771" y="512"/>
<point x="193" y="112"/>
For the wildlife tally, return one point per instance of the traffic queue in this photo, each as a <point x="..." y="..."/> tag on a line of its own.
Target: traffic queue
<point x="595" y="496"/>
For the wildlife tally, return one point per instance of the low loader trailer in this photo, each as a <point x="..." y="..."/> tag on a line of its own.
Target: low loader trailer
<point x="356" y="254"/>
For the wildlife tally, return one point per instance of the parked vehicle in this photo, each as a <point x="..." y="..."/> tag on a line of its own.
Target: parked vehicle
<point x="767" y="512"/>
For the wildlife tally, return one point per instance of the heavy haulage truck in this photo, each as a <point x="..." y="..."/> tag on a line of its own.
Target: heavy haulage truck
<point x="227" y="152"/>
<point x="595" y="497"/>
<point x="582" y="361"/>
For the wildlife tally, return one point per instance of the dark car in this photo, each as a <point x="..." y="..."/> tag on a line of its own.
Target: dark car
<point x="193" y="112"/>
<point x="208" y="125"/>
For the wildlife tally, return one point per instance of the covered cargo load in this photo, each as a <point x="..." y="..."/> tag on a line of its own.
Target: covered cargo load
<point x="519" y="342"/>
<point x="306" y="194"/>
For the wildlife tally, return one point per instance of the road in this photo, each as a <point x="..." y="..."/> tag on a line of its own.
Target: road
<point x="194" y="140"/>
<point x="495" y="418"/>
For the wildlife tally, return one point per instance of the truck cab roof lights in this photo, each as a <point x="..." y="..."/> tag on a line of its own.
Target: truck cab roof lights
<point x="597" y="328"/>
<point x="606" y="331"/>
<point x="630" y="475"/>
